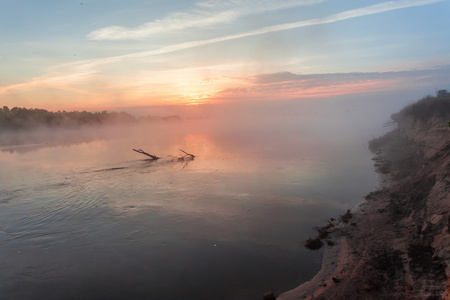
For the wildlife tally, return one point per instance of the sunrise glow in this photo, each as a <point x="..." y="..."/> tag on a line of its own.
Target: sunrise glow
<point x="210" y="52"/>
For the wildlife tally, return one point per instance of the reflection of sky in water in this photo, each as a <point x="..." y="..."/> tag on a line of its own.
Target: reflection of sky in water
<point x="94" y="218"/>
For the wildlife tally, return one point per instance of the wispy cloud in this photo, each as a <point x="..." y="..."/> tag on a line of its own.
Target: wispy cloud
<point x="214" y="12"/>
<point x="206" y="14"/>
<point x="175" y="21"/>
<point x="354" y="13"/>
<point x="287" y="85"/>
<point x="302" y="81"/>
<point x="253" y="4"/>
<point x="360" y="12"/>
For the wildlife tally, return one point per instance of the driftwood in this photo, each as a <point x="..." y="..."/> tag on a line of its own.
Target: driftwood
<point x="183" y="157"/>
<point x="153" y="157"/>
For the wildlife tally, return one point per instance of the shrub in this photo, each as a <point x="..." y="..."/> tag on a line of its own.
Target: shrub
<point x="345" y="218"/>
<point x="313" y="243"/>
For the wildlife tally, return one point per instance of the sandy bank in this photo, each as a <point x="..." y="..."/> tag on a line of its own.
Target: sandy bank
<point x="396" y="245"/>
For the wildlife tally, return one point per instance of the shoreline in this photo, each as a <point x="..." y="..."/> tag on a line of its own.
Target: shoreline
<point x="396" y="244"/>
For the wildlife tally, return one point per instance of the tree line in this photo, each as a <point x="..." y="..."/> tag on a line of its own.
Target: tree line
<point x="18" y="118"/>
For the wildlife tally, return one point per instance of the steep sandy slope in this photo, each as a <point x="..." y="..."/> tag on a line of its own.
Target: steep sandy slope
<point x="396" y="245"/>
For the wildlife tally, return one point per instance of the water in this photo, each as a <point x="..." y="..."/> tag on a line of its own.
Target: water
<point x="82" y="216"/>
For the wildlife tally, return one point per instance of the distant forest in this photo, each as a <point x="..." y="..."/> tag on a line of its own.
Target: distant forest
<point x="18" y="118"/>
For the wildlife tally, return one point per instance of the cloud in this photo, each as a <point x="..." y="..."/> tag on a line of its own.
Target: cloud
<point x="175" y="21"/>
<point x="212" y="12"/>
<point x="360" y="12"/>
<point x="350" y="14"/>
<point x="287" y="85"/>
<point x="208" y="13"/>
<point x="314" y="80"/>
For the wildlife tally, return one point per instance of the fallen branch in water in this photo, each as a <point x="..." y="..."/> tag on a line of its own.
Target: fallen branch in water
<point x="153" y="157"/>
<point x="183" y="157"/>
<point x="187" y="154"/>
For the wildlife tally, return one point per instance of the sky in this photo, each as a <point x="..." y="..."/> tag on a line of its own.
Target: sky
<point x="111" y="54"/>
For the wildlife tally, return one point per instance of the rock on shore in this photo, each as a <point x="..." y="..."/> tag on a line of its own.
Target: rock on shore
<point x="396" y="244"/>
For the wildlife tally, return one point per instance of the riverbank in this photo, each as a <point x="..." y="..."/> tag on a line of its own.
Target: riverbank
<point x="396" y="244"/>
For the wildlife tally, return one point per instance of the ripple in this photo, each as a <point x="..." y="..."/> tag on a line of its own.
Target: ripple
<point x="11" y="236"/>
<point x="111" y="169"/>
<point x="6" y="196"/>
<point x="43" y="271"/>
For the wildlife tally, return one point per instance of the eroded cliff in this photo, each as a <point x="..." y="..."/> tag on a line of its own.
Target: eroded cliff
<point x="396" y="244"/>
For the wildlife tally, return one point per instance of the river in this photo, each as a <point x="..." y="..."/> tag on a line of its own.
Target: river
<point x="82" y="216"/>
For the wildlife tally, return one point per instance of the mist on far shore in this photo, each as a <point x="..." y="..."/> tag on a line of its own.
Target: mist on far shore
<point x="344" y="119"/>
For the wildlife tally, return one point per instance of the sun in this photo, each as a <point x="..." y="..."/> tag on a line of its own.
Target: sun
<point x="197" y="98"/>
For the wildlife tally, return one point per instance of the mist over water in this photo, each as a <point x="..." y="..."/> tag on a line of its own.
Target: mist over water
<point x="84" y="217"/>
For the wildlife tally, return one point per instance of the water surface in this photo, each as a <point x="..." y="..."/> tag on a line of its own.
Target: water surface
<point x="82" y="216"/>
